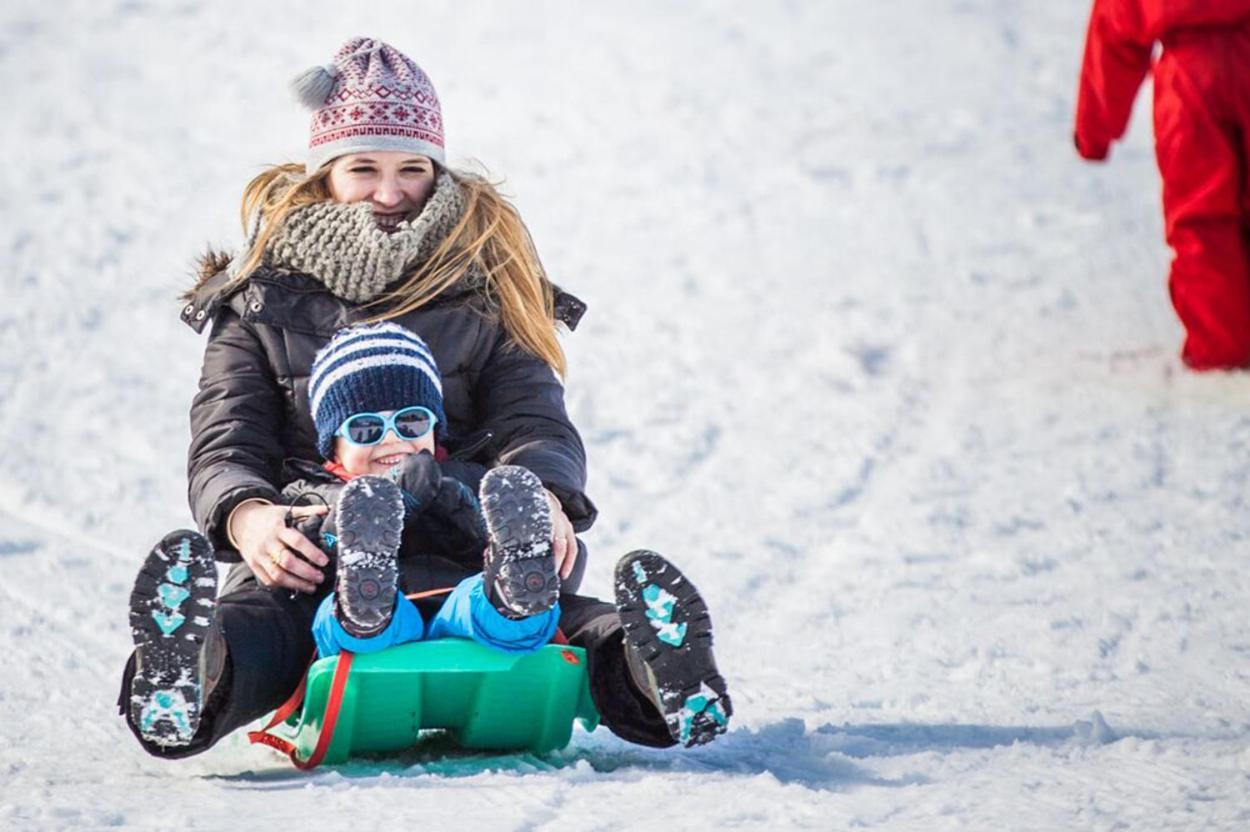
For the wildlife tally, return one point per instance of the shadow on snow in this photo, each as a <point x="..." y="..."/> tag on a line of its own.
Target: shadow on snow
<point x="823" y="759"/>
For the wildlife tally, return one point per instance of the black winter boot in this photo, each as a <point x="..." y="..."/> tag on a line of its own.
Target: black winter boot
<point x="370" y="519"/>
<point x="520" y="566"/>
<point x="668" y="647"/>
<point x="180" y="655"/>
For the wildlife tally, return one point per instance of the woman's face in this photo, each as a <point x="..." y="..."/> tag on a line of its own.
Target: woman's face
<point x="395" y="183"/>
<point x="376" y="460"/>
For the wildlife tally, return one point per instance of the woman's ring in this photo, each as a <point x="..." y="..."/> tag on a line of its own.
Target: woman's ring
<point x="276" y="557"/>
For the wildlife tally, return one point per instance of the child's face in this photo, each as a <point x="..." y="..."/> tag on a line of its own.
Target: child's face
<point x="376" y="460"/>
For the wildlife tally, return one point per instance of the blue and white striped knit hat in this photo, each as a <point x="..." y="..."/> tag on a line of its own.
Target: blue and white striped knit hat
<point x="367" y="369"/>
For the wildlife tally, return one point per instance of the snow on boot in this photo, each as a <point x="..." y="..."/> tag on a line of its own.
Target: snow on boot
<point x="668" y="644"/>
<point x="520" y="567"/>
<point x="370" y="517"/>
<point x="172" y="608"/>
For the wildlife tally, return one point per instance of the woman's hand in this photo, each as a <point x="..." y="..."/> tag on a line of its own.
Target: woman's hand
<point x="276" y="554"/>
<point x="563" y="540"/>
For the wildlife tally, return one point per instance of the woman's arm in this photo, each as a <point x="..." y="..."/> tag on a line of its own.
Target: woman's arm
<point x="235" y="458"/>
<point x="521" y="401"/>
<point x="235" y="453"/>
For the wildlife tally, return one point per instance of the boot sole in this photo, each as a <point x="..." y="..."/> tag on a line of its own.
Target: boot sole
<point x="667" y="623"/>
<point x="518" y="524"/>
<point x="370" y="527"/>
<point x="172" y="607"/>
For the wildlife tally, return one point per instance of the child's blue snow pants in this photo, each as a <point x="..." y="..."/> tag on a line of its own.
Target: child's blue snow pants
<point x="466" y="613"/>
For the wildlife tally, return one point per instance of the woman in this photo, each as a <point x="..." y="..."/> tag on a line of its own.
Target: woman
<point x="375" y="227"/>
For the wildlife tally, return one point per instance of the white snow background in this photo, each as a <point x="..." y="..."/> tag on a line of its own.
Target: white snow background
<point x="870" y="353"/>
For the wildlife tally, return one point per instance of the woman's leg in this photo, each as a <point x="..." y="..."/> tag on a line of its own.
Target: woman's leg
<point x="268" y="644"/>
<point x="624" y="705"/>
<point x="668" y="642"/>
<point x="652" y="673"/>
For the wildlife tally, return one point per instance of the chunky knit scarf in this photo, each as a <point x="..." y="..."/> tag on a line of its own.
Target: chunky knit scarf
<point x="341" y="245"/>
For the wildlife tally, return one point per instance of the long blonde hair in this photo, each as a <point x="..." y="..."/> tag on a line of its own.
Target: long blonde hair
<point x="490" y="237"/>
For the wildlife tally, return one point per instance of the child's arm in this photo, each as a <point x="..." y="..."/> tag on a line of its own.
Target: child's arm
<point x="1117" y="57"/>
<point x="320" y="528"/>
<point x="442" y="515"/>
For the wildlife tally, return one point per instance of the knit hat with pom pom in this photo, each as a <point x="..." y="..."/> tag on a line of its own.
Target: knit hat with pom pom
<point x="370" y="97"/>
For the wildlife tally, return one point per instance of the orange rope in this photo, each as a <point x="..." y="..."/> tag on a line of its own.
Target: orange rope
<point x="429" y="593"/>
<point x="342" y="670"/>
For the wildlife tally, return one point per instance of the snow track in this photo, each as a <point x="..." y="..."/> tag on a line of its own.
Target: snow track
<point x="870" y="354"/>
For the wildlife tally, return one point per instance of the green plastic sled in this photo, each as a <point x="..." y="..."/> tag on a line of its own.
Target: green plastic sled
<point x="484" y="698"/>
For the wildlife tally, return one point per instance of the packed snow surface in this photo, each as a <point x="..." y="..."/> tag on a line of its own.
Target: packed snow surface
<point x="870" y="354"/>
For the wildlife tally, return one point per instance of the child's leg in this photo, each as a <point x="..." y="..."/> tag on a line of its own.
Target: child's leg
<point x="370" y="520"/>
<point x="406" y="625"/>
<point x="468" y="613"/>
<point x="1204" y="205"/>
<point x="520" y="565"/>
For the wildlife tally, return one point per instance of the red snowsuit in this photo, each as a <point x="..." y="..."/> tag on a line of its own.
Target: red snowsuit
<point x="1202" y="142"/>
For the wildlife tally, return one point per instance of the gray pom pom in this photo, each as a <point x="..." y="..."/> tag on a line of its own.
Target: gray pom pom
<point x="312" y="86"/>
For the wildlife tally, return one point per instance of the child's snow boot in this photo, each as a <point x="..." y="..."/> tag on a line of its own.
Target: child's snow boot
<point x="179" y="654"/>
<point x="520" y="565"/>
<point x="668" y="646"/>
<point x="370" y="519"/>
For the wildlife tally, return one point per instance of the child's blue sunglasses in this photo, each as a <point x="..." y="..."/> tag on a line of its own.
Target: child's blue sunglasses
<point x="369" y="428"/>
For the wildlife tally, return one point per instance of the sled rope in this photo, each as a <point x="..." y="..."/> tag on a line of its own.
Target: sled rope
<point x="334" y="702"/>
<point x="342" y="670"/>
<point x="429" y="593"/>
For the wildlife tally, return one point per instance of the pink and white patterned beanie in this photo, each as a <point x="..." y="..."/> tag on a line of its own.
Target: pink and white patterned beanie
<point x="370" y="97"/>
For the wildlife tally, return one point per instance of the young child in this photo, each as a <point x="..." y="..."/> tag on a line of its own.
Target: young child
<point x="1202" y="120"/>
<point x="376" y="400"/>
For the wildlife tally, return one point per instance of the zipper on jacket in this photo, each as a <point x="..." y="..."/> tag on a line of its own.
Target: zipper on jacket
<point x="468" y="451"/>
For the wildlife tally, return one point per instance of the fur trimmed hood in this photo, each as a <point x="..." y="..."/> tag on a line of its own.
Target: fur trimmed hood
<point x="205" y="267"/>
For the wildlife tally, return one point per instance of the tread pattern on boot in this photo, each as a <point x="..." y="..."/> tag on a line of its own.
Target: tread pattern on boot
<point x="667" y="623"/>
<point x="172" y="606"/>
<point x="519" y="557"/>
<point x="370" y="525"/>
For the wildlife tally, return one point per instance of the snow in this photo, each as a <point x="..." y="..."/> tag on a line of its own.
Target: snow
<point x="885" y="368"/>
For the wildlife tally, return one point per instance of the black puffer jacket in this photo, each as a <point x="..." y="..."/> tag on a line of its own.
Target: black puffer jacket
<point x="503" y="405"/>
